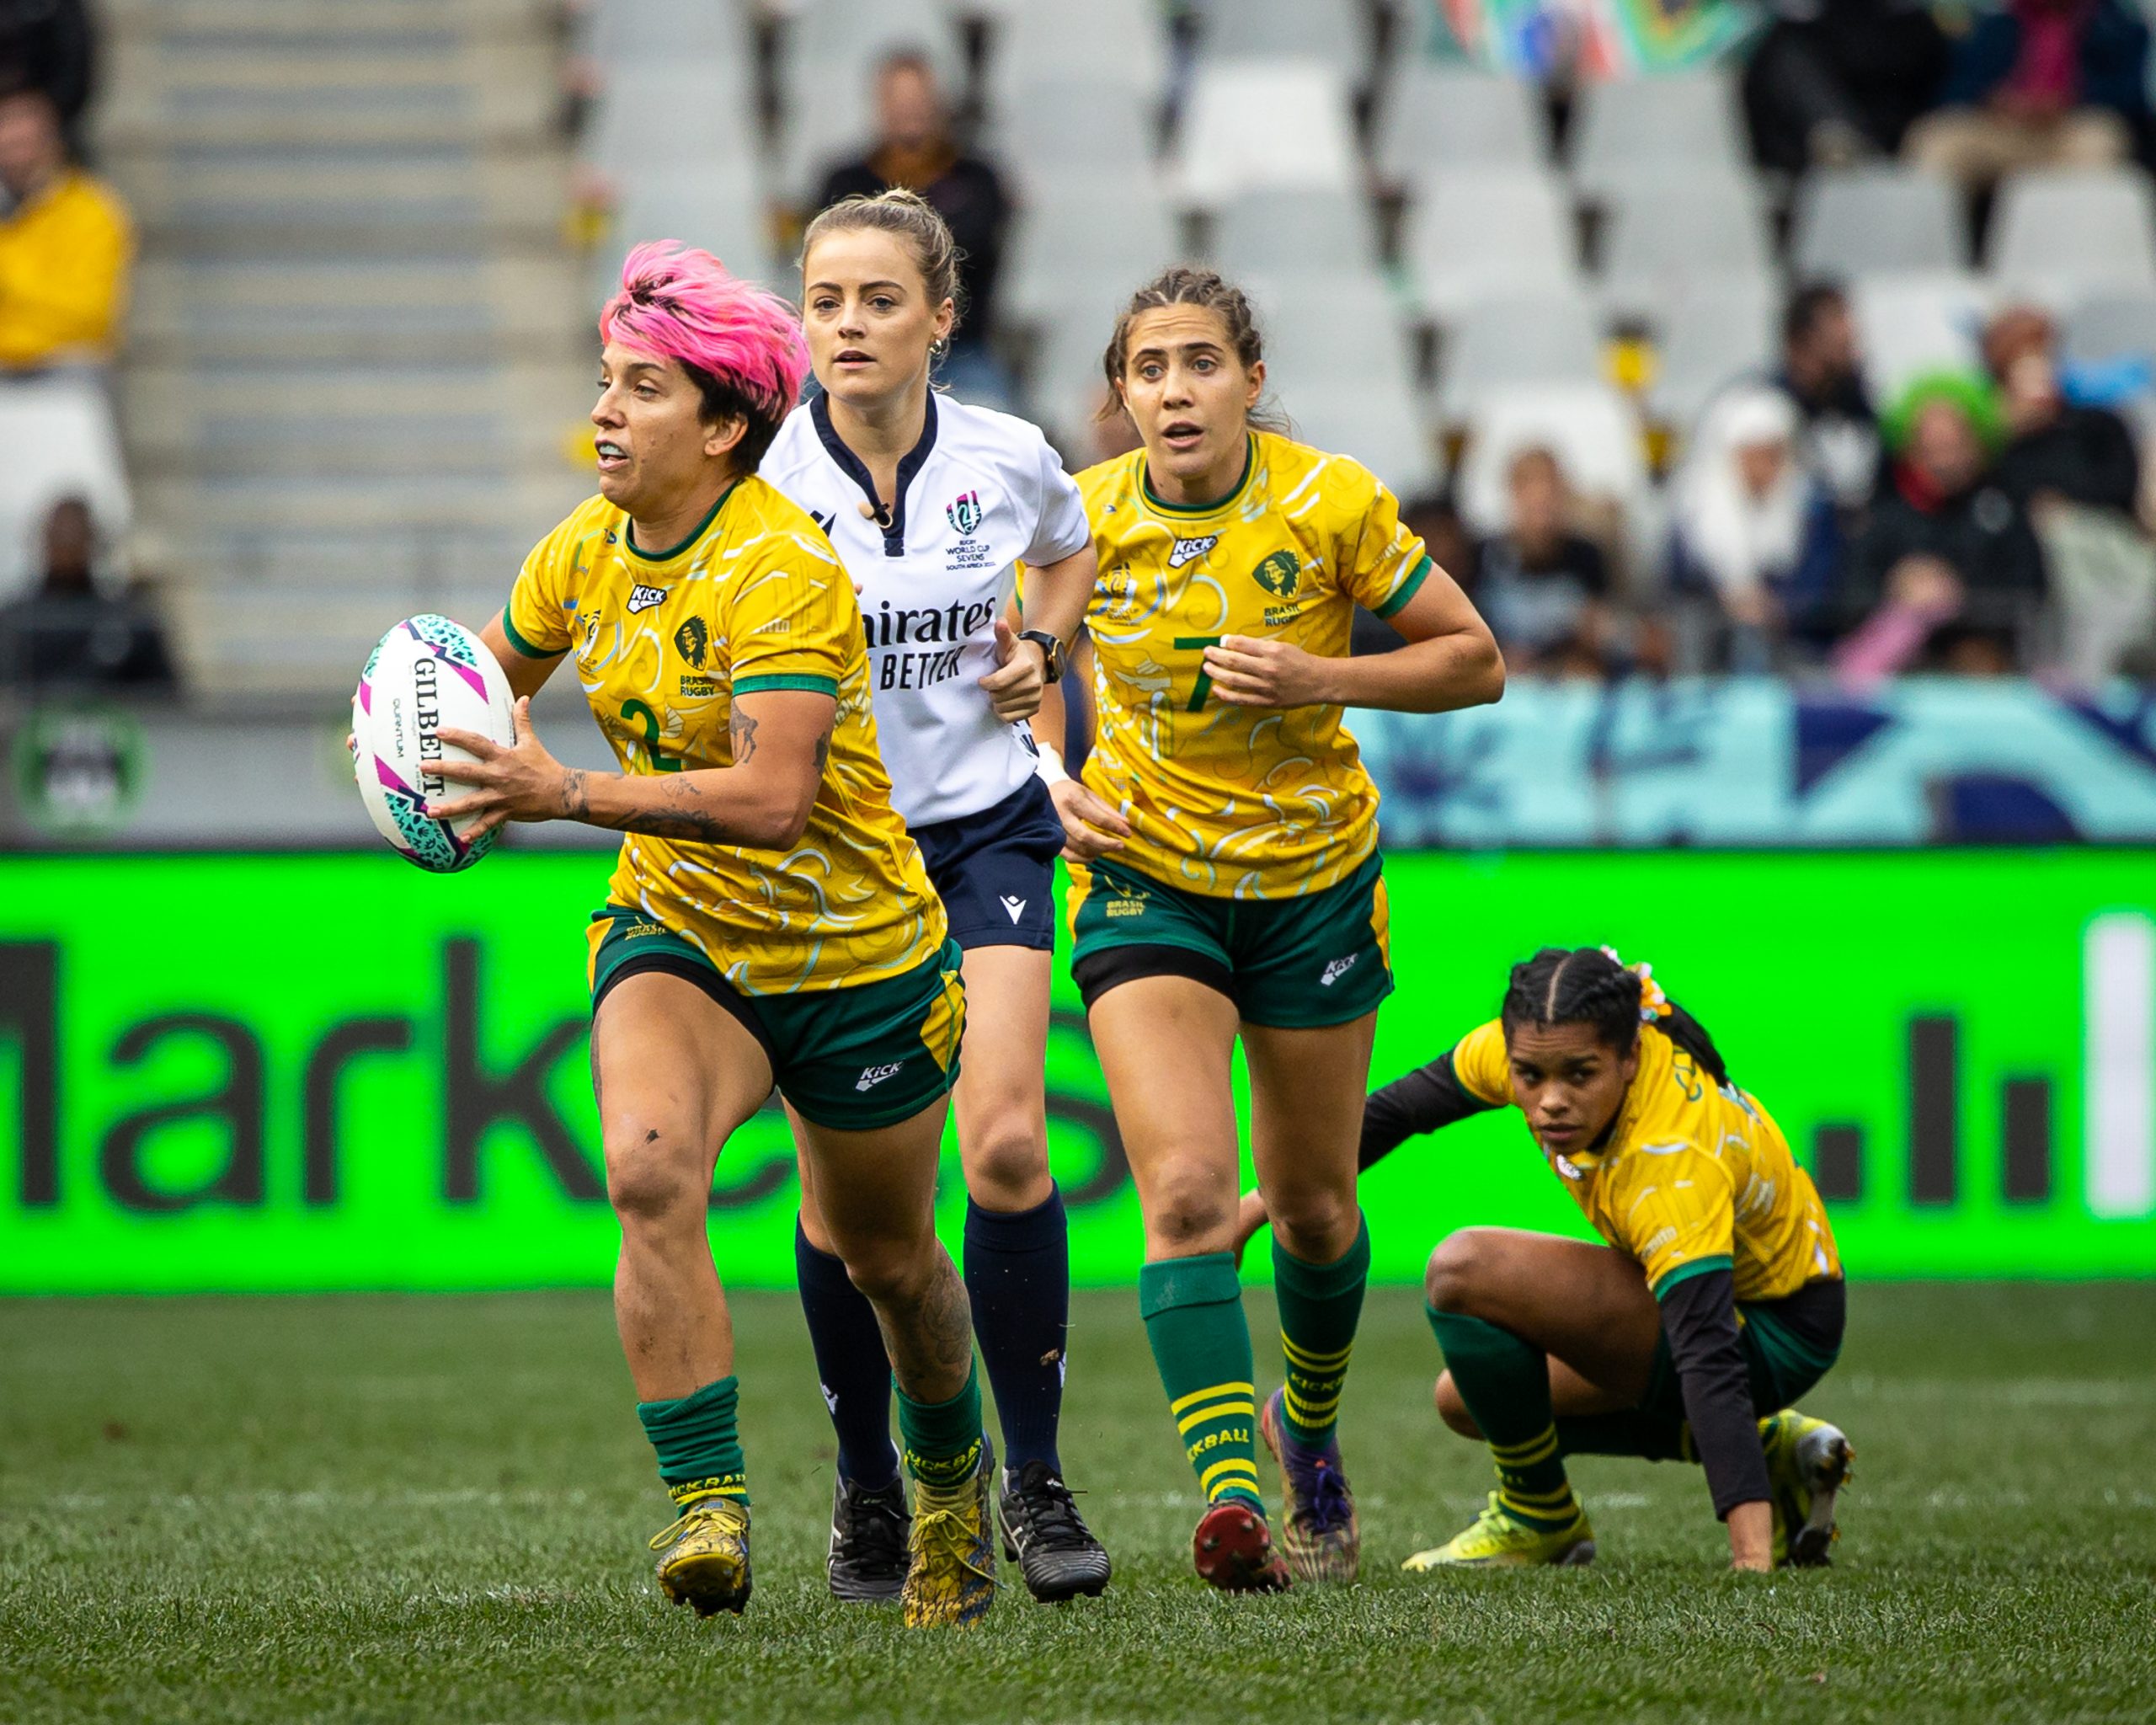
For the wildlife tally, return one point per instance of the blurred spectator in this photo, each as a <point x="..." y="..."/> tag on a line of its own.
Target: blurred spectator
<point x="1832" y="81"/>
<point x="1822" y="373"/>
<point x="915" y="149"/>
<point x="2040" y="83"/>
<point x="1947" y="572"/>
<point x="2076" y="472"/>
<point x="1434" y="519"/>
<point x="1754" y="532"/>
<point x="64" y="246"/>
<point x="67" y="635"/>
<point x="47" y="44"/>
<point x="1541" y="586"/>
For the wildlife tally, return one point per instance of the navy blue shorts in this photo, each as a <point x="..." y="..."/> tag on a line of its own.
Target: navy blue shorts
<point x="995" y="871"/>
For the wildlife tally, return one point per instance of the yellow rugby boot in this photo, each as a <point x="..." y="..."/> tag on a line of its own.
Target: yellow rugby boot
<point x="1808" y="1462"/>
<point x="1498" y="1539"/>
<point x="703" y="1558"/>
<point x="951" y="1550"/>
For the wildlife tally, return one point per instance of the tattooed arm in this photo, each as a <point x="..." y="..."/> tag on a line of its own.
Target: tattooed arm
<point x="781" y="742"/>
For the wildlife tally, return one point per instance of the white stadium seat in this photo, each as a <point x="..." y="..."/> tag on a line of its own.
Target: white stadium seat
<point x="1064" y="125"/>
<point x="1094" y="237"/>
<point x="1716" y="331"/>
<point x="1681" y="118"/>
<point x="1909" y="323"/>
<point x="2066" y="234"/>
<point x="1664" y="226"/>
<point x="61" y="442"/>
<point x="1437" y="118"/>
<point x="1549" y="338"/>
<point x="1319" y="331"/>
<point x="1037" y="42"/>
<point x="723" y="213"/>
<point x="1490" y="233"/>
<point x="1283" y="232"/>
<point x="1862" y="221"/>
<point x="1335" y="32"/>
<point x="1590" y="428"/>
<point x="1273" y="122"/>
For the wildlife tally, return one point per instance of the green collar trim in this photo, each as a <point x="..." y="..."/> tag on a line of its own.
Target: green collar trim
<point x="1153" y="500"/>
<point x="696" y="532"/>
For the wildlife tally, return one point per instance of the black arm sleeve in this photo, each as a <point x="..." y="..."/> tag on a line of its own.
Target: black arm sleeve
<point x="1426" y="1098"/>
<point x="1699" y="1316"/>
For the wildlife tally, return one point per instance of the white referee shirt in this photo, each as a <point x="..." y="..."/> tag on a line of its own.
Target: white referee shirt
<point x="980" y="492"/>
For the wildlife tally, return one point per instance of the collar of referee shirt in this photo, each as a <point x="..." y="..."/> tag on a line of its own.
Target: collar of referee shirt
<point x="894" y="520"/>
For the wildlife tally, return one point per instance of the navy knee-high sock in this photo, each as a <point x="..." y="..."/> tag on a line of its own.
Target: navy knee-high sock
<point x="851" y="1360"/>
<point x="1018" y="1280"/>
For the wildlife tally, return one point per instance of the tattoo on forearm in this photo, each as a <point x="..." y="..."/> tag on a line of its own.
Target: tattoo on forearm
<point x="743" y="730"/>
<point x="576" y="798"/>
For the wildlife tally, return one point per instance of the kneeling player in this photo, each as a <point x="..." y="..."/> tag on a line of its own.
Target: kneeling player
<point x="1717" y="1302"/>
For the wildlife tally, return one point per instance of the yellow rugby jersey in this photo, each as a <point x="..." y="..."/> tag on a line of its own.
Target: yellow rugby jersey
<point x="754" y="599"/>
<point x="1692" y="1176"/>
<point x="1240" y="802"/>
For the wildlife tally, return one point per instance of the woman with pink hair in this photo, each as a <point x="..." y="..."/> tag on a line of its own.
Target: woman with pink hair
<point x="770" y="920"/>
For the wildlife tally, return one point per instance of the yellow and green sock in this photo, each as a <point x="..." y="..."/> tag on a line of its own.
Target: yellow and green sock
<point x="1320" y="1305"/>
<point x="1193" y="1313"/>
<point x="1505" y="1386"/>
<point x="941" y="1440"/>
<point x="698" y="1442"/>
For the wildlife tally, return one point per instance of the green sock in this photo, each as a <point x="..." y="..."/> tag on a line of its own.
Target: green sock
<point x="941" y="1440"/>
<point x="698" y="1445"/>
<point x="1319" y="1304"/>
<point x="1505" y="1386"/>
<point x="1193" y="1313"/>
<point x="1653" y="1437"/>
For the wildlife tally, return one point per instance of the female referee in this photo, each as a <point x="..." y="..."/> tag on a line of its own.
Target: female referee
<point x="931" y="505"/>
<point x="769" y="922"/>
<point x="1235" y="888"/>
<point x="1717" y="1303"/>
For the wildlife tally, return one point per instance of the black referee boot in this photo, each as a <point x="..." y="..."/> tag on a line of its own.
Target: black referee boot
<point x="1047" y="1539"/>
<point x="868" y="1562"/>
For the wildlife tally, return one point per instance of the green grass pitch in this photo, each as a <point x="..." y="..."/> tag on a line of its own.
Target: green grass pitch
<point x="403" y="1509"/>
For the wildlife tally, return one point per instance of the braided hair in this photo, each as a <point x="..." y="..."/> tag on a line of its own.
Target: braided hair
<point x="1591" y="985"/>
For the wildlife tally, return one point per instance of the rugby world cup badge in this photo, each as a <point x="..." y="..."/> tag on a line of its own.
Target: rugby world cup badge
<point x="963" y="511"/>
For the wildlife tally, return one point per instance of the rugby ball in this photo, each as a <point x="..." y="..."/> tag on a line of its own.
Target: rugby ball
<point x="425" y="676"/>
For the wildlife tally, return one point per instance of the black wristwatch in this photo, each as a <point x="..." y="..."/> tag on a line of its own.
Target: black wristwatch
<point x="1051" y="653"/>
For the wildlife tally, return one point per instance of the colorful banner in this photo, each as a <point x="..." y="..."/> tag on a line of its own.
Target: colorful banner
<point x="1588" y="38"/>
<point x="1755" y="761"/>
<point x="334" y="1071"/>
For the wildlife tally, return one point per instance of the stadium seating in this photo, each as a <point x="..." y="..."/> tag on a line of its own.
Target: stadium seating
<point x="1664" y="226"/>
<point x="1713" y="331"/>
<point x="1523" y="238"/>
<point x="1038" y="44"/>
<point x="1280" y="232"/>
<point x="1434" y="118"/>
<point x="720" y="206"/>
<point x="1056" y="127"/>
<point x="1265" y="122"/>
<point x="1866" y="221"/>
<point x="1918" y="322"/>
<point x="1331" y="33"/>
<point x="1591" y="429"/>
<point x="1546" y="337"/>
<point x="2065" y="234"/>
<point x="61" y="442"/>
<point x="1092" y="241"/>
<point x="1684" y="120"/>
<point x="1319" y="331"/>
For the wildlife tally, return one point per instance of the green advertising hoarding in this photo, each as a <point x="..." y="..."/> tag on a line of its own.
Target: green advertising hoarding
<point x="283" y="1072"/>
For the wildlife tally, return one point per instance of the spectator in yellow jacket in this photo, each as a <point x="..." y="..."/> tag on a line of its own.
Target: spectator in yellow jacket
<point x="66" y="243"/>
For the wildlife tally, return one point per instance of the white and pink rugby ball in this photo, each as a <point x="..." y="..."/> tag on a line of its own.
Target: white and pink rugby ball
<point x="426" y="675"/>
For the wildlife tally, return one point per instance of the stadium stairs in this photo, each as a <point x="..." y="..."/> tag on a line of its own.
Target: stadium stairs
<point x="359" y="338"/>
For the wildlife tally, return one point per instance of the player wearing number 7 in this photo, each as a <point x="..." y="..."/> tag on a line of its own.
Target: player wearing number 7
<point x="1246" y="900"/>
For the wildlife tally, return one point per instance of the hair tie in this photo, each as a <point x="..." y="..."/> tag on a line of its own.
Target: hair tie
<point x="1653" y="1002"/>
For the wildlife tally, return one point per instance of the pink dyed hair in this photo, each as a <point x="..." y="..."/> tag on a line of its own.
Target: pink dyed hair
<point x="679" y="303"/>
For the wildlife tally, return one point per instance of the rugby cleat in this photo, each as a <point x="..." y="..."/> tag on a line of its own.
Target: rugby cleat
<point x="951" y="1568"/>
<point x="1046" y="1537"/>
<point x="1498" y="1539"/>
<point x="1321" y="1539"/>
<point x="1233" y="1550"/>
<point x="703" y="1558"/>
<point x="1808" y="1462"/>
<point x="867" y="1560"/>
